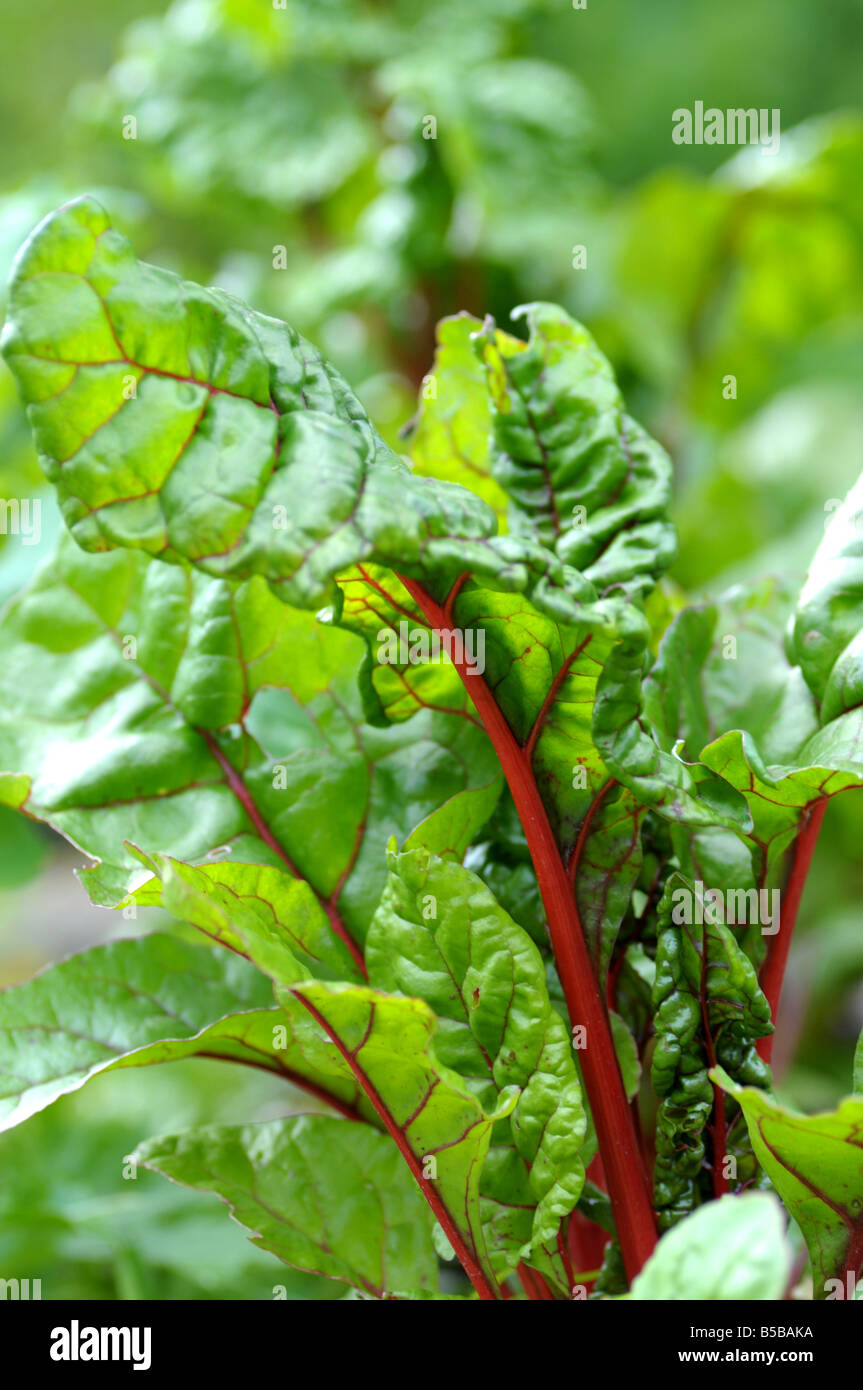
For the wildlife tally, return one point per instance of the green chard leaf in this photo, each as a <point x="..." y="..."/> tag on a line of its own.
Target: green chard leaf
<point x="235" y="902"/>
<point x="579" y="472"/>
<point x="724" y="692"/>
<point x="439" y="935"/>
<point x="708" y="1008"/>
<point x="451" y="436"/>
<point x="139" y="385"/>
<point x="129" y="1004"/>
<point x="815" y="1162"/>
<point x="437" y="1123"/>
<point x="175" y="420"/>
<point x="323" y="1195"/>
<point x="734" y="1248"/>
<point x="197" y="717"/>
<point x="826" y="634"/>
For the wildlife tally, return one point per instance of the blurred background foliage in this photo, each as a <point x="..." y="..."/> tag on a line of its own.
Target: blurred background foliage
<point x="412" y="161"/>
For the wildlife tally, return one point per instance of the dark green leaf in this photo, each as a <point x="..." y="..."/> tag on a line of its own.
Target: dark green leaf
<point x="708" y="1008"/>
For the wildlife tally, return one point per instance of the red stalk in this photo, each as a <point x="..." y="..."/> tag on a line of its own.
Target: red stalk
<point x="773" y="969"/>
<point x="630" y="1198"/>
<point x="533" y="1284"/>
<point x="587" y="1243"/>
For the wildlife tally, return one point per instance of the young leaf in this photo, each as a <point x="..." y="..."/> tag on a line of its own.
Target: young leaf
<point x="452" y="828"/>
<point x="325" y="1196"/>
<point x="581" y="474"/>
<point x="732" y="1249"/>
<point x="708" y="1007"/>
<point x="815" y="1162"/>
<point x="439" y="935"/>
<point x="452" y="433"/>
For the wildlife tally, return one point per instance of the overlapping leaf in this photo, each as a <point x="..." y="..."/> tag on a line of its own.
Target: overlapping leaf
<point x="187" y="715"/>
<point x="231" y="902"/>
<point x="130" y="1003"/>
<point x="325" y="1196"/>
<point x="175" y="420"/>
<point x="438" y="1124"/>
<point x="439" y="935"/>
<point x="708" y="1008"/>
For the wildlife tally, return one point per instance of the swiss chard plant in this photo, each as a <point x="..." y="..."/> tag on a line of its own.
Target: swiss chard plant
<point x="465" y="824"/>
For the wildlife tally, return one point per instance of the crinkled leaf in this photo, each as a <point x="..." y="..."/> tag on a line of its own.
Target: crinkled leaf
<point x="708" y="1007"/>
<point x="581" y="474"/>
<point x="175" y="420"/>
<point x="439" y="935"/>
<point x="680" y="791"/>
<point x="323" y="1195"/>
<point x="729" y="1250"/>
<point x="815" y="1162"/>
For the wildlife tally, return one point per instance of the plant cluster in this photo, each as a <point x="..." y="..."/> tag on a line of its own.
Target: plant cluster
<point x="504" y="928"/>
